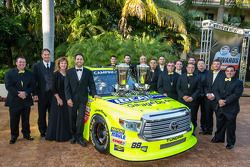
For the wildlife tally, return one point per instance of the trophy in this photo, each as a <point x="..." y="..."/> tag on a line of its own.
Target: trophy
<point x="122" y="76"/>
<point x="142" y="72"/>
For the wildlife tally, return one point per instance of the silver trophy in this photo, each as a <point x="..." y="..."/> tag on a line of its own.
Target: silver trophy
<point x="122" y="77"/>
<point x="142" y="72"/>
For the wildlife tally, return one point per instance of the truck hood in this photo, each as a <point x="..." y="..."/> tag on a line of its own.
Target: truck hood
<point x="142" y="104"/>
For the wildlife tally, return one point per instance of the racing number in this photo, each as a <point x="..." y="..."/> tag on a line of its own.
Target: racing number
<point x="136" y="145"/>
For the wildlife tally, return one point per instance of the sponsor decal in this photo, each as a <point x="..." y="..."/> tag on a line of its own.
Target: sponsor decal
<point x="104" y="72"/>
<point x="139" y="145"/>
<point x="117" y="141"/>
<point x="135" y="99"/>
<point x="118" y="133"/>
<point x="118" y="148"/>
<point x="144" y="148"/>
<point x="87" y="114"/>
<point x="174" y="138"/>
<point x="148" y="103"/>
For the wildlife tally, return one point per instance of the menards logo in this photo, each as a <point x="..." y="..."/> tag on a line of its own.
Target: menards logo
<point x="134" y="99"/>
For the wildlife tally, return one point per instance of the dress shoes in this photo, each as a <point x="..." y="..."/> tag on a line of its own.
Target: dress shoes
<point x="28" y="138"/>
<point x="73" y="140"/>
<point x="214" y="140"/>
<point x="229" y="147"/>
<point x="43" y="135"/>
<point x="12" y="141"/>
<point x="82" y="143"/>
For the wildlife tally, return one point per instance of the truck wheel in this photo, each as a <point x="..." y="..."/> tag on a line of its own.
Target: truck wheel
<point x="99" y="134"/>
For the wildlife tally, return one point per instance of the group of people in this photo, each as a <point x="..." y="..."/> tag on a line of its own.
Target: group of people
<point x="213" y="91"/>
<point x="63" y="93"/>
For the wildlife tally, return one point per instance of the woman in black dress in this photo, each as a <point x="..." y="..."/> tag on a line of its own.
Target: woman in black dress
<point x="58" y="126"/>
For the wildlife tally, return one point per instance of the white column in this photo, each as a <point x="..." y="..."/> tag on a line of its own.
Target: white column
<point x="48" y="24"/>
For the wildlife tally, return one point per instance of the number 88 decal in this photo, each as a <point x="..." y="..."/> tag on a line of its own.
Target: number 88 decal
<point x="136" y="145"/>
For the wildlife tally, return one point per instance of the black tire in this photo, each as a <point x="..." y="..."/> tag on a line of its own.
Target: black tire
<point x="99" y="134"/>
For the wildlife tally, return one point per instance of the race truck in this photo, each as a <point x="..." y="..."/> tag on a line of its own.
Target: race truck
<point x="135" y="125"/>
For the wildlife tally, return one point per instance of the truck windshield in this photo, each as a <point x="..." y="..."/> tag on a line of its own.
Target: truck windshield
<point x="105" y="81"/>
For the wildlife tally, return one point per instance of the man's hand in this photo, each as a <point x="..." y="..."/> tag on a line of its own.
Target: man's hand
<point x="22" y="94"/>
<point x="222" y="103"/>
<point x="190" y="99"/>
<point x="185" y="98"/>
<point x="210" y="96"/>
<point x="70" y="103"/>
<point x="35" y="98"/>
<point x="59" y="101"/>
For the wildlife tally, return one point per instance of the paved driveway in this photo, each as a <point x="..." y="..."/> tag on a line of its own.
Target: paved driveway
<point x="44" y="153"/>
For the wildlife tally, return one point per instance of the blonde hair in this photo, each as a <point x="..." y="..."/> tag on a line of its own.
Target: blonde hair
<point x="58" y="61"/>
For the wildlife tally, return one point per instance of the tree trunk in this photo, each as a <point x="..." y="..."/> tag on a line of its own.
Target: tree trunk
<point x="8" y="4"/>
<point x="48" y="25"/>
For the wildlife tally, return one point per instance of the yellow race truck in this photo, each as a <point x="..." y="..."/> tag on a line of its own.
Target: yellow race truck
<point x="135" y="127"/>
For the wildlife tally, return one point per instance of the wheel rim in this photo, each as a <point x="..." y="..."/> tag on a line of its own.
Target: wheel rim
<point x="101" y="133"/>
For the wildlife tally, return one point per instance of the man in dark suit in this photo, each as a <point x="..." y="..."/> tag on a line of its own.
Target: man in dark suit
<point x="214" y="78"/>
<point x="202" y="74"/>
<point x="167" y="82"/>
<point x="179" y="67"/>
<point x="161" y="64"/>
<point x="132" y="67"/>
<point x="78" y="82"/>
<point x="153" y="74"/>
<point x="188" y="89"/>
<point x="43" y="72"/>
<point x="19" y="84"/>
<point x="227" y="94"/>
<point x="113" y="61"/>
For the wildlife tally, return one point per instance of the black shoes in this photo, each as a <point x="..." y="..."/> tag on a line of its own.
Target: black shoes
<point x="82" y="142"/>
<point x="28" y="138"/>
<point x="73" y="140"/>
<point x="214" y="140"/>
<point x="229" y="147"/>
<point x="12" y="141"/>
<point x="43" y="135"/>
<point x="206" y="133"/>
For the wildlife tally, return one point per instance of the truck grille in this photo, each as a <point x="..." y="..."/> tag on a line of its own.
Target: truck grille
<point x="168" y="126"/>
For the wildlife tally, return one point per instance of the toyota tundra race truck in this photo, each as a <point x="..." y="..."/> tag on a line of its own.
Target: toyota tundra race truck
<point x="135" y="127"/>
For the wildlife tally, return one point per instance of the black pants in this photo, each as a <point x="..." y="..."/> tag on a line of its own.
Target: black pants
<point x="210" y="109"/>
<point x="224" y="125"/>
<point x="77" y="113"/>
<point x="15" y="114"/>
<point x="201" y="104"/>
<point x="194" y="111"/>
<point x="44" y="103"/>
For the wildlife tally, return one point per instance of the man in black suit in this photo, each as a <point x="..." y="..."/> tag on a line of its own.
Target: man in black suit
<point x="153" y="75"/>
<point x="179" y="67"/>
<point x="202" y="74"/>
<point x="227" y="94"/>
<point x="161" y="64"/>
<point x="214" y="78"/>
<point x="113" y="61"/>
<point x="132" y="67"/>
<point x="78" y="82"/>
<point x="19" y="84"/>
<point x="188" y="89"/>
<point x="167" y="82"/>
<point x="43" y="72"/>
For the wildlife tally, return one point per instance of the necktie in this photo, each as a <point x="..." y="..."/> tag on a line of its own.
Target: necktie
<point x="227" y="79"/>
<point x="215" y="72"/>
<point x="170" y="73"/>
<point x="189" y="75"/>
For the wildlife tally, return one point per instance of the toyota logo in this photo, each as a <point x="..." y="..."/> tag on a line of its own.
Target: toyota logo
<point x="173" y="125"/>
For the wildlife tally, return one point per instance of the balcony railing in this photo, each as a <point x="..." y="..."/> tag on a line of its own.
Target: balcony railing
<point x="228" y="3"/>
